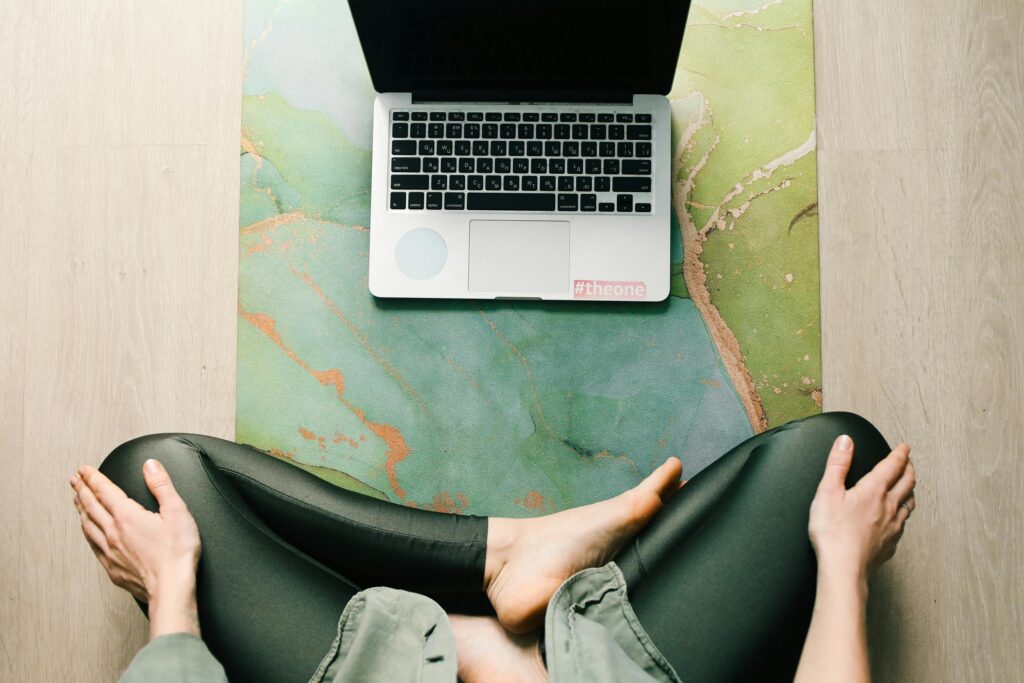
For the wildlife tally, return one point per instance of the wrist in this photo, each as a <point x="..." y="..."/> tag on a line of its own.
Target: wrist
<point x="172" y="607"/>
<point x="843" y="577"/>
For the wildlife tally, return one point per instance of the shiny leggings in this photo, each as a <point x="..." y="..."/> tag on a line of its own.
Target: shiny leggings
<point x="722" y="579"/>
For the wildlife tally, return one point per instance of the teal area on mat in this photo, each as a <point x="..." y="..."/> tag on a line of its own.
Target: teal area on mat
<point x="497" y="408"/>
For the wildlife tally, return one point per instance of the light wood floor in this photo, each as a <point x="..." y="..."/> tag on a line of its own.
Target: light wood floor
<point x="118" y="210"/>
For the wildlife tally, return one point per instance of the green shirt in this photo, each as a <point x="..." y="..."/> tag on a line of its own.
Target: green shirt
<point x="384" y="634"/>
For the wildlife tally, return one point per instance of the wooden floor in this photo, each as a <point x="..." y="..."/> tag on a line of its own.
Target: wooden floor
<point x="119" y="124"/>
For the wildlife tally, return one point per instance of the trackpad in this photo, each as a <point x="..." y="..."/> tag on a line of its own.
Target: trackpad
<point x="519" y="257"/>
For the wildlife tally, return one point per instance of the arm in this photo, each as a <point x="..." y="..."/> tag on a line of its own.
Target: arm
<point x="853" y="532"/>
<point x="153" y="556"/>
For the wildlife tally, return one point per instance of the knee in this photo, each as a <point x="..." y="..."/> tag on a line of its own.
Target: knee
<point x="869" y="444"/>
<point x="123" y="465"/>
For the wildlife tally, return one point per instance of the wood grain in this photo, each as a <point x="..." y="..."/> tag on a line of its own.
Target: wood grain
<point x="118" y="226"/>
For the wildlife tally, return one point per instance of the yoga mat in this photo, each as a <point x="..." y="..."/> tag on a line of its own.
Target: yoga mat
<point x="523" y="408"/>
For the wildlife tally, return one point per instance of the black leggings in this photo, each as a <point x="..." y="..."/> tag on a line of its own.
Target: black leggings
<point x="723" y="578"/>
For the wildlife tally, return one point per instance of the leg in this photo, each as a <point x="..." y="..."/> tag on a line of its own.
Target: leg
<point x="252" y="588"/>
<point x="723" y="579"/>
<point x="370" y="542"/>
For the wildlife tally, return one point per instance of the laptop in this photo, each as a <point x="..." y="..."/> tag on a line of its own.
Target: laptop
<point x="521" y="149"/>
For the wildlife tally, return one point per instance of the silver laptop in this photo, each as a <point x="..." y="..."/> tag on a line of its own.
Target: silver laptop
<point x="521" y="150"/>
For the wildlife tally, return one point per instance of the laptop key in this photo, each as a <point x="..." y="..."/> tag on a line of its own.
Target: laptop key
<point x="466" y="166"/>
<point x="436" y="130"/>
<point x="463" y="147"/>
<point x="499" y="148"/>
<point x="642" y="132"/>
<point x="476" y="182"/>
<point x="543" y="131"/>
<point x="493" y="116"/>
<point x="437" y="116"/>
<point x="403" y="147"/>
<point x="643" y="149"/>
<point x="480" y="148"/>
<point x="547" y="183"/>
<point x="605" y="118"/>
<point x="456" y="116"/>
<point x="611" y="166"/>
<point x="538" y="166"/>
<point x="562" y="131"/>
<point x="643" y="207"/>
<point x="580" y="131"/>
<point x="511" y="183"/>
<point x="444" y="147"/>
<point x="588" y="149"/>
<point x="399" y="116"/>
<point x="565" y="184"/>
<point x="454" y="200"/>
<point x="438" y="182"/>
<point x="471" y="131"/>
<point x="449" y="165"/>
<point x="521" y="165"/>
<point x="616" y="132"/>
<point x="485" y="165"/>
<point x="570" y="149"/>
<point x="510" y="201"/>
<point x="631" y="184"/>
<point x="643" y="118"/>
<point x="575" y="166"/>
<point x="457" y="182"/>
<point x="593" y="166"/>
<point x="624" y="202"/>
<point x="503" y="165"/>
<point x="416" y="200"/>
<point x="531" y="116"/>
<point x="586" y="118"/>
<point x="511" y="116"/>
<point x="567" y="117"/>
<point x="556" y="166"/>
<point x="516" y="148"/>
<point x="529" y="183"/>
<point x="405" y="165"/>
<point x="431" y="165"/>
<point x="408" y="181"/>
<point x="493" y="182"/>
<point x="418" y="130"/>
<point x="584" y="183"/>
<point x="598" y="131"/>
<point x="434" y="200"/>
<point x="602" y="184"/>
<point x="453" y="130"/>
<point x="397" y="200"/>
<point x="568" y="202"/>
<point x="525" y="131"/>
<point x="624" y="118"/>
<point x="607" y="149"/>
<point x="605" y="207"/>
<point x="624" y="149"/>
<point x="419" y="116"/>
<point x="636" y="167"/>
<point x="475" y="116"/>
<point x="399" y="130"/>
<point x="534" y="148"/>
<point x="426" y="148"/>
<point x="588" y="202"/>
<point x="490" y="131"/>
<point x="549" y="116"/>
<point x="507" y="131"/>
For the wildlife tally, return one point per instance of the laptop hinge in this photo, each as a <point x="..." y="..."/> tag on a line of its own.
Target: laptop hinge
<point x="522" y="96"/>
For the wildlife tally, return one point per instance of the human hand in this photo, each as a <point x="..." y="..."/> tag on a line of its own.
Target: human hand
<point x="152" y="555"/>
<point x="854" y="531"/>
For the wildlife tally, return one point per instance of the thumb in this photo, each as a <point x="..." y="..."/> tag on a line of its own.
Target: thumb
<point x="159" y="483"/>
<point x="838" y="464"/>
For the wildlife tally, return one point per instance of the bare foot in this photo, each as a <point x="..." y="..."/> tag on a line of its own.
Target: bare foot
<point x="528" y="559"/>
<point x="488" y="653"/>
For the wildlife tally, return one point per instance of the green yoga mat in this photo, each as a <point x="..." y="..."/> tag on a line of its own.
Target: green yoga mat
<point x="520" y="408"/>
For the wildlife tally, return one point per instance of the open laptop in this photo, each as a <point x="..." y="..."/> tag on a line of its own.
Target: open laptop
<point x="521" y="148"/>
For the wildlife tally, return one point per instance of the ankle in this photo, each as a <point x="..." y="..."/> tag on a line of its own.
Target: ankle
<point x="501" y="536"/>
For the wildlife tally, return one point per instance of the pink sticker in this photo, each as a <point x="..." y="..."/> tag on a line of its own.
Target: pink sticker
<point x="608" y="289"/>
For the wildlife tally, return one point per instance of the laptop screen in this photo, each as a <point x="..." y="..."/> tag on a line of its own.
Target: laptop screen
<point x="521" y="49"/>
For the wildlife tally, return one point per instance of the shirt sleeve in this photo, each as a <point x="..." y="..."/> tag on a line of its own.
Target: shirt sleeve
<point x="174" y="658"/>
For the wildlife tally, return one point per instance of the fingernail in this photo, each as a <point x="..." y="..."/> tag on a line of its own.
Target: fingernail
<point x="151" y="466"/>
<point x="844" y="443"/>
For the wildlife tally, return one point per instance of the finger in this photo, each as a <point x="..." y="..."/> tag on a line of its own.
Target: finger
<point x="891" y="468"/>
<point x="904" y="486"/>
<point x="159" y="483"/>
<point x="838" y="464"/>
<point x="903" y="513"/>
<point x="105" y="491"/>
<point x="97" y="539"/>
<point x="92" y="507"/>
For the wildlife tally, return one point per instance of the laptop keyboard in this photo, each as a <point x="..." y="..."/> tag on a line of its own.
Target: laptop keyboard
<point x="521" y="161"/>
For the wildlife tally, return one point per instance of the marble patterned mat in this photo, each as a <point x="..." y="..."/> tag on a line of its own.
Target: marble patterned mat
<point x="525" y="408"/>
